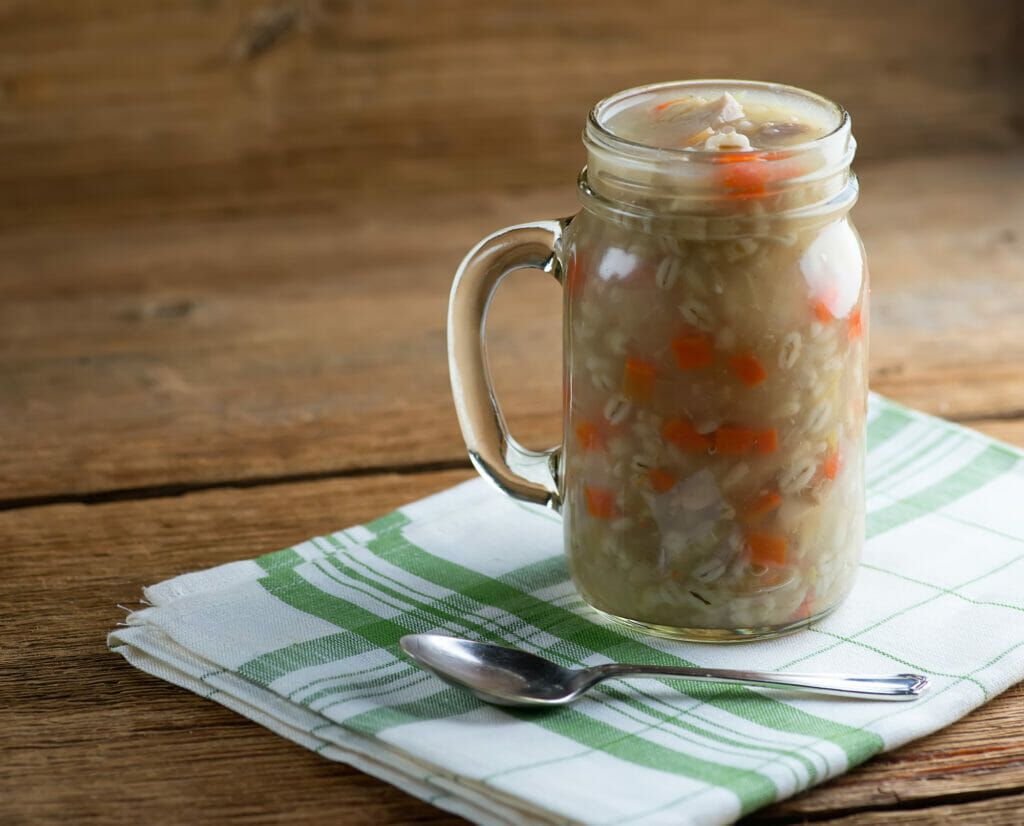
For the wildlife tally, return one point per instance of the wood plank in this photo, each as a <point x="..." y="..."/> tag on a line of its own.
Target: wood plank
<point x="946" y="247"/>
<point x="999" y="811"/>
<point x="226" y="238"/>
<point x="185" y="352"/>
<point x="979" y="757"/>
<point x="113" y="742"/>
<point x="128" y="111"/>
<point x="259" y="348"/>
<point x="1007" y="430"/>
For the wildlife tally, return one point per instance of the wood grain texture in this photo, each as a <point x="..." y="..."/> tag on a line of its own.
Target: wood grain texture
<point x="129" y="110"/>
<point x="227" y="232"/>
<point x="189" y="352"/>
<point x="88" y="738"/>
<point x="112" y="739"/>
<point x="997" y="811"/>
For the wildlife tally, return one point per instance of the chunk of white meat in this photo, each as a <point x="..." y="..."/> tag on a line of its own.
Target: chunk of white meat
<point x="695" y="119"/>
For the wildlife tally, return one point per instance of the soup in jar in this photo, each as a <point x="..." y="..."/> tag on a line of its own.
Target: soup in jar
<point x="715" y="357"/>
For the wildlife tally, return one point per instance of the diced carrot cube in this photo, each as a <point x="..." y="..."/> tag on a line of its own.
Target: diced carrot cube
<point x="856" y="325"/>
<point x="736" y="157"/>
<point x="638" y="379"/>
<point x="767" y="550"/>
<point x="661" y="481"/>
<point x="747" y="174"/>
<point x="680" y="432"/>
<point x="766" y="441"/>
<point x="748" y="368"/>
<point x="692" y="352"/>
<point x="588" y="436"/>
<point x="762" y="505"/>
<point x="823" y="313"/>
<point x="730" y="441"/>
<point x="833" y="462"/>
<point x="746" y="171"/>
<point x="600" y="503"/>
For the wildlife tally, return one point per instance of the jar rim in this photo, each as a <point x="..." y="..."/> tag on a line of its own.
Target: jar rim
<point x="598" y="134"/>
<point x="707" y="227"/>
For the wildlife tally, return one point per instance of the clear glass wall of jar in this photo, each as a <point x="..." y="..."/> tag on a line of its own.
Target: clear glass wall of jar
<point x="712" y="477"/>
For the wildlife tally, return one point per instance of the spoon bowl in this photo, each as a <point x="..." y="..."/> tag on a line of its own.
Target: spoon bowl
<point x="494" y="673"/>
<point x="508" y="676"/>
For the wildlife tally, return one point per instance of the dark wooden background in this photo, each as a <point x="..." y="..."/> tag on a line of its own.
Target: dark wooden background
<point x="227" y="231"/>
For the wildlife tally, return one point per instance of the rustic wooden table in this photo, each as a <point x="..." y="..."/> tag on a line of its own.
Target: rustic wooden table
<point x="226" y="236"/>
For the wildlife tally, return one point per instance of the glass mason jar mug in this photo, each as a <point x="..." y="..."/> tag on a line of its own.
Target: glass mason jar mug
<point x="711" y="476"/>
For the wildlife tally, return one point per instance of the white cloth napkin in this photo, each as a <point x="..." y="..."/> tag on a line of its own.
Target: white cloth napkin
<point x="304" y="642"/>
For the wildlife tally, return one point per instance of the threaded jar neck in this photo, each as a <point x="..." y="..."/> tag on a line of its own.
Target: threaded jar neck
<point x="718" y="150"/>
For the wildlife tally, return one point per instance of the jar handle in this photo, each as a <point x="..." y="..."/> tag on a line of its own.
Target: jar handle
<point x="528" y="475"/>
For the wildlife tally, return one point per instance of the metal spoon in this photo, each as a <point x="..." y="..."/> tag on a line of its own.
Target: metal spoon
<point x="511" y="677"/>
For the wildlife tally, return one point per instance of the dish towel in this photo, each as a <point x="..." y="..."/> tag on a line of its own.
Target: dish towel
<point x="305" y="642"/>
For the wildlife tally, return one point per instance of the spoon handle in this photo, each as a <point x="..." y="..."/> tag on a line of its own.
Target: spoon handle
<point x="869" y="686"/>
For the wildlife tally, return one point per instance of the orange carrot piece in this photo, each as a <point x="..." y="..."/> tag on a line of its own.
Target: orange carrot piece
<point x="736" y="157"/>
<point x="833" y="462"/>
<point x="588" y="436"/>
<point x="749" y="368"/>
<point x="730" y="441"/>
<point x="747" y="174"/>
<point x="661" y="481"/>
<point x="744" y="168"/>
<point x="680" y="432"/>
<point x="762" y="506"/>
<point x="766" y="441"/>
<point x="662" y="106"/>
<point x="856" y="325"/>
<point x="767" y="550"/>
<point x="692" y="352"/>
<point x="638" y="379"/>
<point x="827" y="298"/>
<point x="600" y="503"/>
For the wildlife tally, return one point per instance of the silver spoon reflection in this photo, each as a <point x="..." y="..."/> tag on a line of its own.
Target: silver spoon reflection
<point x="511" y="677"/>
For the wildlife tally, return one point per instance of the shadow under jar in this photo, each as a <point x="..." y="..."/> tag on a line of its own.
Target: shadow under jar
<point x="711" y="478"/>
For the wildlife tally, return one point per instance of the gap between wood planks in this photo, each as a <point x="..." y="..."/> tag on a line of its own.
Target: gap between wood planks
<point x="992" y="415"/>
<point x="893" y="807"/>
<point x="183" y="488"/>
